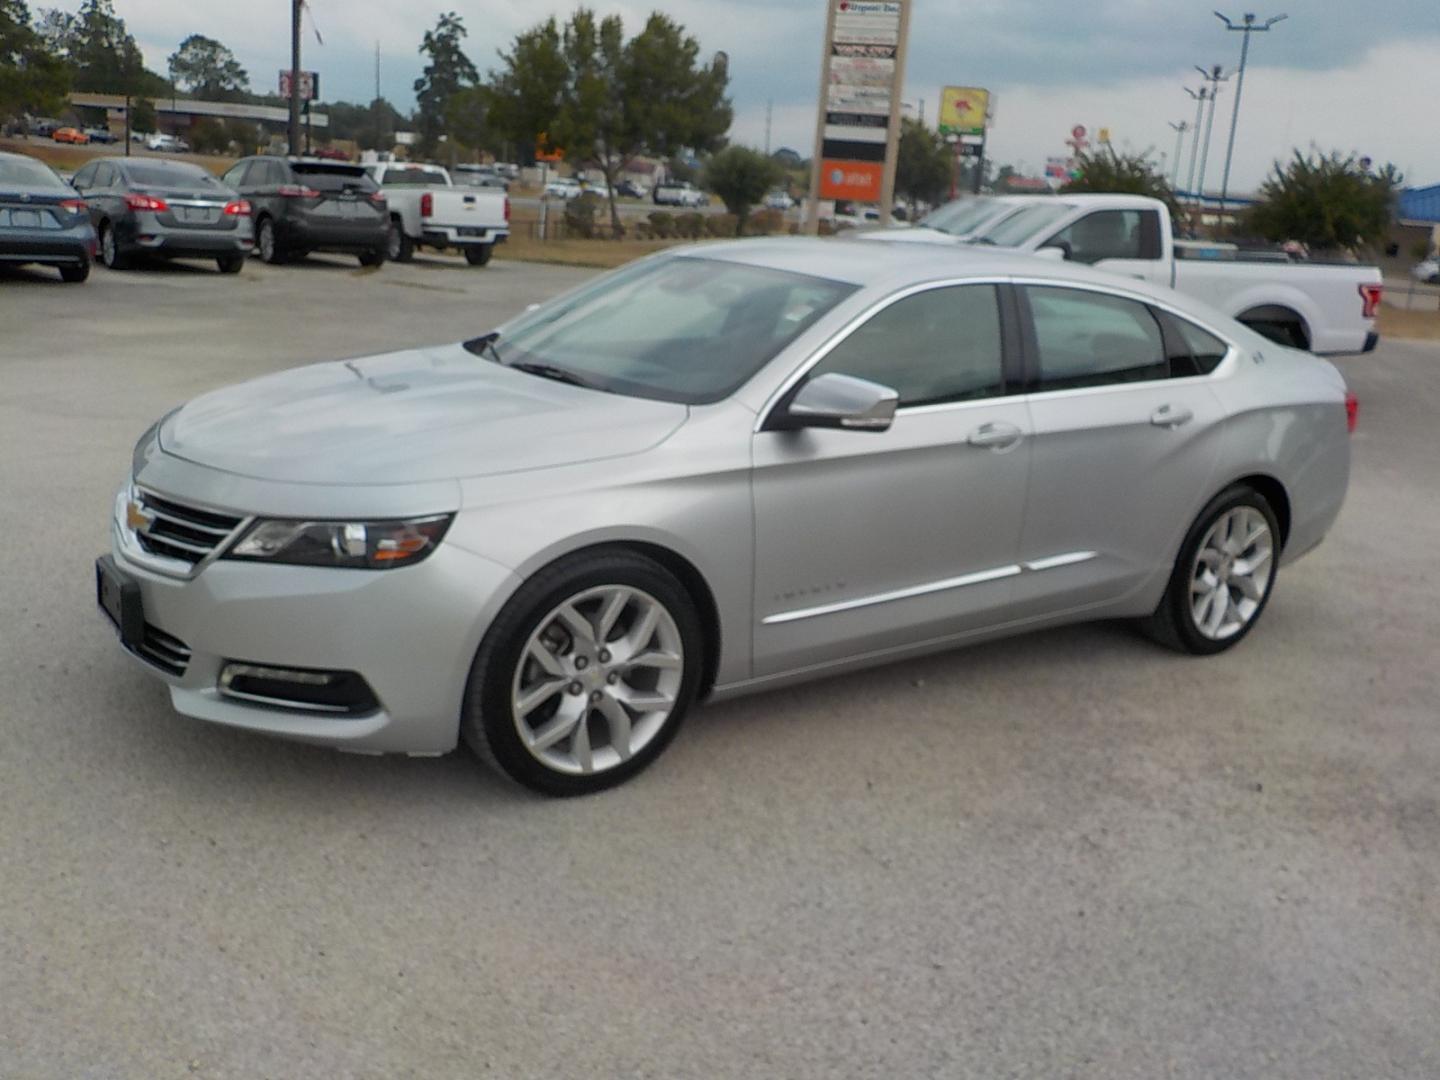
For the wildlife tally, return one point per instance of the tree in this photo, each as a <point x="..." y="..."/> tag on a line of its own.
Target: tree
<point x="604" y="100"/>
<point x="1130" y="174"/>
<point x="207" y="69"/>
<point x="741" y="177"/>
<point x="142" y="115"/>
<point x="1326" y="201"/>
<point x="923" y="165"/>
<point x="32" y="78"/>
<point x="466" y="117"/>
<point x="448" y="71"/>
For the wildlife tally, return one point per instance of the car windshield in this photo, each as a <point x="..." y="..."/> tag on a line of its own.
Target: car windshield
<point x="683" y="329"/>
<point x="414" y="178"/>
<point x="177" y="174"/>
<point x="960" y="218"/>
<point x="21" y="172"/>
<point x="330" y="178"/>
<point x="1017" y="228"/>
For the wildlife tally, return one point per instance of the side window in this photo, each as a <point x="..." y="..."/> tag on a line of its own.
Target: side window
<point x="1192" y="351"/>
<point x="1094" y="339"/>
<point x="104" y="175"/>
<point x="235" y="177"/>
<point x="935" y="346"/>
<point x="85" y="177"/>
<point x="1111" y="234"/>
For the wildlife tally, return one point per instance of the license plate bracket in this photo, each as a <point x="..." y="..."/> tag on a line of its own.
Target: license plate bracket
<point x="118" y="595"/>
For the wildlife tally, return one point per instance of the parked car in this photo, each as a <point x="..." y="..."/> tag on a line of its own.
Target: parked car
<point x="1427" y="270"/>
<point x="170" y="209"/>
<point x="678" y="193"/>
<point x="426" y="210"/>
<point x="631" y="189"/>
<point x="70" y="135"/>
<point x="100" y="135"/>
<point x="43" y="219"/>
<point x="43" y="126"/>
<point x="1328" y="308"/>
<point x="302" y="205"/>
<point x="169" y="144"/>
<point x="480" y="176"/>
<point x="826" y="455"/>
<point x="141" y="136"/>
<point x="331" y="153"/>
<point x="563" y="187"/>
<point x="779" y="200"/>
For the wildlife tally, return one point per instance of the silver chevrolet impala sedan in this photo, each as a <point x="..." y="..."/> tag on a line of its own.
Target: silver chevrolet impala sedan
<point x="721" y="469"/>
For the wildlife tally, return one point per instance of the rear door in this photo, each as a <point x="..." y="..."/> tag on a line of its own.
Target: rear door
<point x="1125" y="444"/>
<point x="1127" y="242"/>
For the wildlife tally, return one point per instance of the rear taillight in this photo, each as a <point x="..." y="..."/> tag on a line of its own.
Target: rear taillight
<point x="238" y="208"/>
<point x="75" y="206"/>
<point x="507" y="207"/>
<point x="427" y="204"/>
<point x="146" y="202"/>
<point x="1370" y="295"/>
<point x="297" y="191"/>
<point x="378" y="198"/>
<point x="1352" y="411"/>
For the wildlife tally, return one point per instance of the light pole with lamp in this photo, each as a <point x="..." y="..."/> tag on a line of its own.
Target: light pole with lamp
<point x="1180" y="129"/>
<point x="1214" y="77"/>
<point x="1247" y="27"/>
<point x="1200" y="96"/>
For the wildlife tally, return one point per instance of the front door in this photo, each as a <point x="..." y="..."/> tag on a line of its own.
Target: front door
<point x="867" y="542"/>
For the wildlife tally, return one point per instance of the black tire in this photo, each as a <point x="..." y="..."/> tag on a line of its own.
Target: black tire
<point x="479" y="254"/>
<point x="110" y="252"/>
<point x="75" y="273"/>
<point x="488" y="722"/>
<point x="230" y="264"/>
<point x="372" y="258"/>
<point x="1281" y="331"/>
<point x="1173" y="622"/>
<point x="400" y="247"/>
<point x="267" y="243"/>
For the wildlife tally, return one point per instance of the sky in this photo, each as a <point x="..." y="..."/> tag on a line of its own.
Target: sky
<point x="1335" y="75"/>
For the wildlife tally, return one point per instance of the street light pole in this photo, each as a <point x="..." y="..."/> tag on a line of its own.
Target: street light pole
<point x="1246" y="27"/>
<point x="1214" y="78"/>
<point x="1200" y="98"/>
<point x="295" y="75"/>
<point x="1180" y="130"/>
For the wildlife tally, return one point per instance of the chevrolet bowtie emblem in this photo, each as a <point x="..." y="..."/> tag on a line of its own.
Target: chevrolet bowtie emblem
<point x="137" y="517"/>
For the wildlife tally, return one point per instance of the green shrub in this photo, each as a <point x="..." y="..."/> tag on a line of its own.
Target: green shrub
<point x="690" y="226"/>
<point x="765" y="222"/>
<point x="580" y="215"/>
<point x="662" y="224"/>
<point x="721" y="225"/>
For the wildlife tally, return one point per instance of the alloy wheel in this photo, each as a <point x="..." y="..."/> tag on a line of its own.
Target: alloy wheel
<point x="597" y="680"/>
<point x="1231" y="573"/>
<point x="267" y="241"/>
<point x="107" y="247"/>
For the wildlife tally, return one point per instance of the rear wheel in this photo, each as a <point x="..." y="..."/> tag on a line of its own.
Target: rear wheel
<point x="479" y="255"/>
<point x="1223" y="576"/>
<point x="110" y="253"/>
<point x="585" y="675"/>
<point x="230" y="264"/>
<point x="75" y="272"/>
<point x="371" y="258"/>
<point x="398" y="246"/>
<point x="267" y="243"/>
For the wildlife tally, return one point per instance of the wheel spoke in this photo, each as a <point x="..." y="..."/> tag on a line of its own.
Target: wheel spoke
<point x="1220" y="604"/>
<point x="556" y="728"/>
<point x="1204" y="582"/>
<point x="618" y="720"/>
<point x="644" y="628"/>
<point x="580" y="627"/>
<point x="538" y="696"/>
<point x="580" y="745"/>
<point x="661" y="660"/>
<point x="548" y="661"/>
<point x="1247" y="584"/>
<point x="614" y="605"/>
<point x="644" y="701"/>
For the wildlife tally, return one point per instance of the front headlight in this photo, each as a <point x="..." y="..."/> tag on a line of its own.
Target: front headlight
<point x="364" y="545"/>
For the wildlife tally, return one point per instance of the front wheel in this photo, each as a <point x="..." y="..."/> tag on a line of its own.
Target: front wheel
<point x="480" y="254"/>
<point x="585" y="675"/>
<point x="1223" y="576"/>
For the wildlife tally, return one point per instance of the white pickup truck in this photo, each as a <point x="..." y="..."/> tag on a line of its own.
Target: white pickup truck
<point x="1326" y="307"/>
<point x="427" y="210"/>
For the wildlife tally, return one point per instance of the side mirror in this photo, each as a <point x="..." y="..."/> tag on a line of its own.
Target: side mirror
<point x="833" y="400"/>
<point x="1058" y="250"/>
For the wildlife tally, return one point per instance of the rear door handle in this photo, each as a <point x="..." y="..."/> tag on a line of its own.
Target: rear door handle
<point x="1169" y="417"/>
<point x="996" y="436"/>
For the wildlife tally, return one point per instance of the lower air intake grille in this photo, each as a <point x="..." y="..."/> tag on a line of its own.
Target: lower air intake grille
<point x="165" y="651"/>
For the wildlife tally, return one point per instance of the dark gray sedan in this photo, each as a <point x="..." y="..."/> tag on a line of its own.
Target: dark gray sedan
<point x="42" y="219"/>
<point x="171" y="209"/>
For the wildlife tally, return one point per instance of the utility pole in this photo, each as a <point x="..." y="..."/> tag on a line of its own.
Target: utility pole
<point x="1214" y="77"/>
<point x="1180" y="130"/>
<point x="295" y="6"/>
<point x="769" y="106"/>
<point x="1200" y="99"/>
<point x="1246" y="27"/>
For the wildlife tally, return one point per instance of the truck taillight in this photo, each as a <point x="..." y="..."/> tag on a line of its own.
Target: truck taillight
<point x="1352" y="411"/>
<point x="1370" y="294"/>
<point x="427" y="204"/>
<point x="507" y="208"/>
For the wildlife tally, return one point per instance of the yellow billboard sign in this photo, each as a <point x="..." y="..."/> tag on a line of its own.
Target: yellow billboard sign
<point x="963" y="110"/>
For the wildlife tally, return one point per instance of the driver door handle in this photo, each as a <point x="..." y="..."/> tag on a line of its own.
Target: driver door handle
<point x="996" y="436"/>
<point x="1169" y="417"/>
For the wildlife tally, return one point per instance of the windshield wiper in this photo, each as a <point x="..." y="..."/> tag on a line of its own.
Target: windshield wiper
<point x="550" y="371"/>
<point x="484" y="344"/>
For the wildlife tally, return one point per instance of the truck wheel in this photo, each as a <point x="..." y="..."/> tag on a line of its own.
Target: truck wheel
<point x="480" y="254"/>
<point x="398" y="246"/>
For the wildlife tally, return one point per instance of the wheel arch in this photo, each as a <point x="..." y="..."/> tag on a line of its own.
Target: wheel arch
<point x="1275" y="494"/>
<point x="1278" y="313"/>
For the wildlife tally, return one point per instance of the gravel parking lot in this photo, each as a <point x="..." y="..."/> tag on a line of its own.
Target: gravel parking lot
<point x="1066" y="855"/>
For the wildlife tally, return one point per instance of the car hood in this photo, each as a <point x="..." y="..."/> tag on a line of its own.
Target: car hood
<point x="409" y="417"/>
<point x="909" y="234"/>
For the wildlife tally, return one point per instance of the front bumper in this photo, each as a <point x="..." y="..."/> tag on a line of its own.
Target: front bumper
<point x="410" y="633"/>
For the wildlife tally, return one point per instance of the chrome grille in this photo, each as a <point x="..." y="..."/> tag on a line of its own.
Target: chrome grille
<point x="182" y="532"/>
<point x="165" y="651"/>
